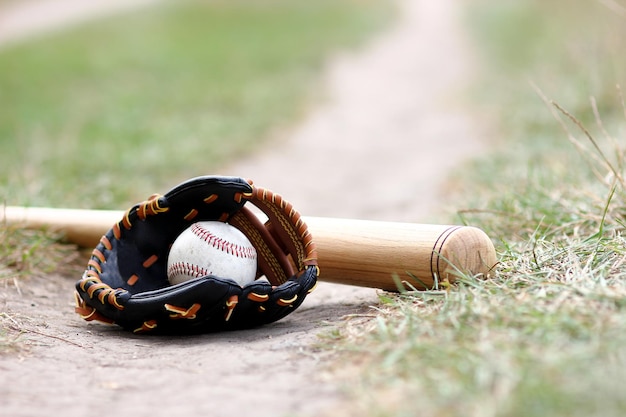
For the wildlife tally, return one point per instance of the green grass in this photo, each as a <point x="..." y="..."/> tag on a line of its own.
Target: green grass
<point x="547" y="335"/>
<point x="23" y="252"/>
<point x="109" y="113"/>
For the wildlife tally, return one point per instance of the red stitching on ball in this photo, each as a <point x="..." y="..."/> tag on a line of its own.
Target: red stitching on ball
<point x="185" y="268"/>
<point x="223" y="245"/>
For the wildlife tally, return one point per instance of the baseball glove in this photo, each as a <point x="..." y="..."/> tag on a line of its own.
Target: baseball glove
<point x="126" y="283"/>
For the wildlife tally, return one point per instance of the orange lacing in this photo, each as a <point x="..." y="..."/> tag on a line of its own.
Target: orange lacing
<point x="87" y="312"/>
<point x="259" y="298"/>
<point x="106" y="243"/>
<point x="191" y="215"/>
<point x="94" y="263"/>
<point x="93" y="286"/>
<point x="183" y="313"/>
<point x="242" y="196"/>
<point x="96" y="289"/>
<point x="211" y="198"/>
<point x="231" y="303"/>
<point x="146" y="326"/>
<point x="150" y="207"/>
<point x="287" y="302"/>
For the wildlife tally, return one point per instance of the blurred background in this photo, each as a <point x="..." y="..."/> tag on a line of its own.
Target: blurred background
<point x="108" y="110"/>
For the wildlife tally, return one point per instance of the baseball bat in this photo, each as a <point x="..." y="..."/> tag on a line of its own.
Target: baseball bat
<point x="376" y="254"/>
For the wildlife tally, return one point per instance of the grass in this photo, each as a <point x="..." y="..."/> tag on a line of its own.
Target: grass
<point x="107" y="114"/>
<point x="23" y="254"/>
<point x="547" y="335"/>
<point x="26" y="252"/>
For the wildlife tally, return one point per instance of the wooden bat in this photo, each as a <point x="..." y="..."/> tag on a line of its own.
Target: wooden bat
<point x="355" y="252"/>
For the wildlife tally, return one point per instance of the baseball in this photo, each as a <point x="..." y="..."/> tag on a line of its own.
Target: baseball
<point x="212" y="248"/>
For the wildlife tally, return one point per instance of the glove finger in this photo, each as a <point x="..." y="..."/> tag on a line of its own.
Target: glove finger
<point x="250" y="311"/>
<point x="288" y="296"/>
<point x="199" y="305"/>
<point x="262" y="303"/>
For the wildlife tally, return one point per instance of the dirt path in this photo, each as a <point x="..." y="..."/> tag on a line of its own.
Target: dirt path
<point x="391" y="128"/>
<point x="378" y="148"/>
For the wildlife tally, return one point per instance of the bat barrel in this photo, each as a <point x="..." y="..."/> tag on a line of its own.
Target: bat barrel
<point x="372" y="253"/>
<point x="354" y="252"/>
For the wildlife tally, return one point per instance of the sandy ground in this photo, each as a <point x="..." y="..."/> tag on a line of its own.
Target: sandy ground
<point x="379" y="147"/>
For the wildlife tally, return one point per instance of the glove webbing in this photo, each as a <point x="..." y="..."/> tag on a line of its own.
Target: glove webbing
<point x="283" y="243"/>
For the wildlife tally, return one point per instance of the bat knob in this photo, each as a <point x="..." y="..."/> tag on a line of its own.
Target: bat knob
<point x="462" y="251"/>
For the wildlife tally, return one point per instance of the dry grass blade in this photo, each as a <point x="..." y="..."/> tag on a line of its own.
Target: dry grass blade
<point x="603" y="157"/>
<point x="621" y="96"/>
<point x="607" y="135"/>
<point x="582" y="149"/>
<point x="10" y="338"/>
